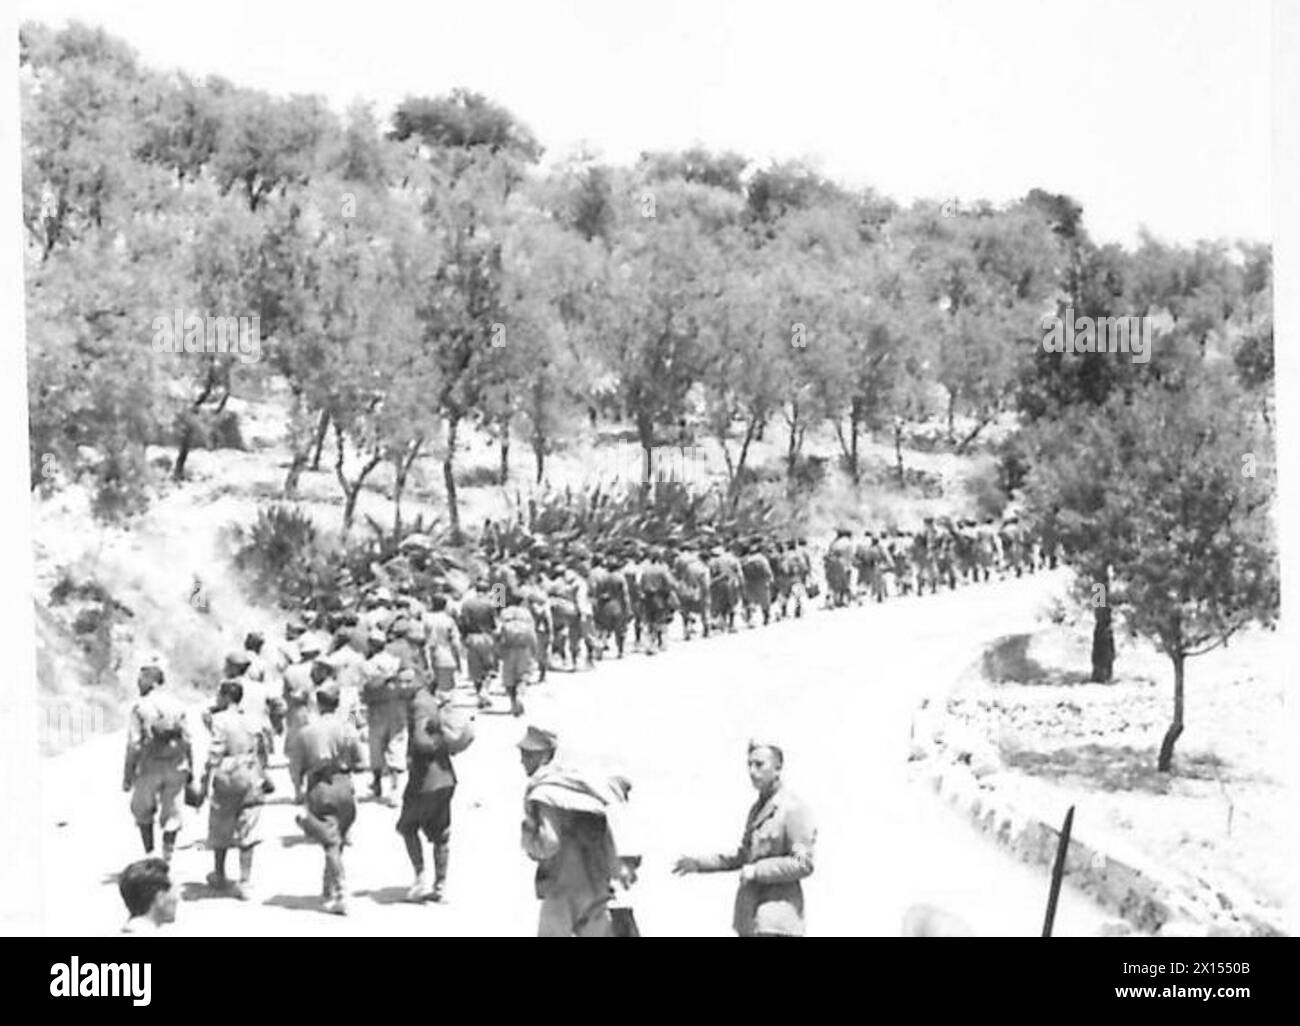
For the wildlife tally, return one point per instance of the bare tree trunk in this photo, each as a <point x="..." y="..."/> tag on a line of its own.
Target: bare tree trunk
<point x="1166" y="760"/>
<point x="321" y="428"/>
<point x="855" y="427"/>
<point x="505" y="449"/>
<point x="952" y="403"/>
<point x="1103" y="645"/>
<point x="645" y="435"/>
<point x="351" y="489"/>
<point x="539" y="455"/>
<point x="449" y="477"/>
<point x="405" y="461"/>
<point x="290" y="488"/>
<point x="737" y="482"/>
<point x="183" y="449"/>
<point x="792" y="444"/>
<point x="898" y="452"/>
<point x="961" y="446"/>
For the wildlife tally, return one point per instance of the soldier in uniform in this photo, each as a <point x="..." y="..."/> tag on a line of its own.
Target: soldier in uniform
<point x="757" y="574"/>
<point x="478" y="624"/>
<point x="581" y="627"/>
<point x="724" y="586"/>
<point x="569" y="831"/>
<point x="300" y="683"/>
<point x="782" y="577"/>
<point x="694" y="582"/>
<point x="328" y="752"/>
<point x="426" y="802"/>
<point x="539" y="605"/>
<point x="385" y="720"/>
<point x="775" y="853"/>
<point x="837" y="564"/>
<point x="159" y="759"/>
<point x="517" y="643"/>
<point x="659" y="596"/>
<point x="612" y="601"/>
<point x="444" y="644"/>
<point x="233" y="781"/>
<point x="864" y="564"/>
<point x="631" y="570"/>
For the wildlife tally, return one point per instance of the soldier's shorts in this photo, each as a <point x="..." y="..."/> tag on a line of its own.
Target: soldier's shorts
<point x="387" y="723"/>
<point x="429" y="812"/>
<point x="232" y="825"/>
<point x="444" y="677"/>
<point x="759" y="594"/>
<point x="515" y="664"/>
<point x="157" y="792"/>
<point x="481" y="656"/>
<point x="331" y="809"/>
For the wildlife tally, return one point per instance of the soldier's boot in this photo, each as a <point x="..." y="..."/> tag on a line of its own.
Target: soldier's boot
<point x="146" y="835"/>
<point x="169" y="844"/>
<point x="244" y="889"/>
<point x="419" y="890"/>
<point x="441" y="855"/>
<point x="516" y="706"/>
<point x="217" y="879"/>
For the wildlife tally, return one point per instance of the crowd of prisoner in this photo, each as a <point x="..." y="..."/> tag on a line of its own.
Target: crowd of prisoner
<point x="364" y="684"/>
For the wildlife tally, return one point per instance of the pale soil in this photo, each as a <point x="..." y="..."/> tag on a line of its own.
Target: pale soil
<point x="1226" y="813"/>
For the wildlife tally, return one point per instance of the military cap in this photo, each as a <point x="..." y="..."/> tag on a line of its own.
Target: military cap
<point x="536" y="739"/>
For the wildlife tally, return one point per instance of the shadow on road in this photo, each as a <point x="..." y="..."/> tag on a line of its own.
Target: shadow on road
<point x="385" y="895"/>
<point x="297" y="902"/>
<point x="1116" y="768"/>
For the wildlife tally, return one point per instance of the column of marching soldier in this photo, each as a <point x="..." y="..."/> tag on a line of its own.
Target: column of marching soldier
<point x="365" y="685"/>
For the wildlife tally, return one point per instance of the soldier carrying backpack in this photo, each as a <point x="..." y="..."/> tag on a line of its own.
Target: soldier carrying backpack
<point x="159" y="759"/>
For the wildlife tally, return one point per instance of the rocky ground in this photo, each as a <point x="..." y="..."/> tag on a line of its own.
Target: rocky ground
<point x="1226" y="813"/>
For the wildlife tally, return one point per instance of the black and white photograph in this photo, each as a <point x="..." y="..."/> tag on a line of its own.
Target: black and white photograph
<point x="587" y="469"/>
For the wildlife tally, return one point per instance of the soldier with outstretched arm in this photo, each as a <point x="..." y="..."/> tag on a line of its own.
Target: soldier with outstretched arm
<point x="775" y="853"/>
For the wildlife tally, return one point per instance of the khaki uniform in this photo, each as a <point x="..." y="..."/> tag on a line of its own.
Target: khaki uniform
<point x="235" y="763"/>
<point x="327" y="751"/>
<point x="517" y="643"/>
<point x="299" y="706"/>
<point x="157" y="769"/>
<point x="778" y="843"/>
<point x="568" y="832"/>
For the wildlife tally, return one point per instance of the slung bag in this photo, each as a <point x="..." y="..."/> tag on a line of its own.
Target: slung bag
<point x="456" y="727"/>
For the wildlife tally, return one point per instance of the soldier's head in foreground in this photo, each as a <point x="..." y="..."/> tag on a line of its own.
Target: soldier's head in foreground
<point x="765" y="762"/>
<point x="253" y="642"/>
<point x="146" y="889"/>
<point x="536" y="749"/>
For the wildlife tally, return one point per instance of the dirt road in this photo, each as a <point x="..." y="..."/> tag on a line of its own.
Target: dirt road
<point x="838" y="687"/>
